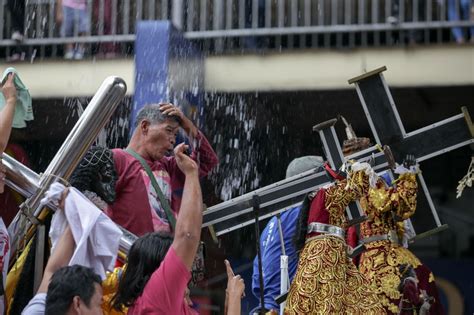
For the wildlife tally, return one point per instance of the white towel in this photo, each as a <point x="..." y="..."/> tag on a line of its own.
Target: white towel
<point x="97" y="237"/>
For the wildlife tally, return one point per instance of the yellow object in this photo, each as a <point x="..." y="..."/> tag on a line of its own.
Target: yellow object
<point x="109" y="288"/>
<point x="13" y="276"/>
<point x="326" y="280"/>
<point x="381" y="260"/>
<point x="328" y="283"/>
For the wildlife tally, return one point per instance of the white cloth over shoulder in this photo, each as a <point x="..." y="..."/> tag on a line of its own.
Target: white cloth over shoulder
<point x="36" y="306"/>
<point x="97" y="237"/>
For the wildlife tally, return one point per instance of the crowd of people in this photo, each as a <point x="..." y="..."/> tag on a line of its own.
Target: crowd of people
<point x="163" y="208"/>
<point x="152" y="190"/>
<point x="72" y="19"/>
<point x="75" y="18"/>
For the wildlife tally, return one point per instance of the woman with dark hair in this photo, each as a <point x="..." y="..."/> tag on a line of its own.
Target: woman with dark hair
<point x="158" y="268"/>
<point x="144" y="258"/>
<point x="326" y="281"/>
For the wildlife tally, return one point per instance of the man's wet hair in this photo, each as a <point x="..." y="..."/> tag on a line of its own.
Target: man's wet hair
<point x="153" y="114"/>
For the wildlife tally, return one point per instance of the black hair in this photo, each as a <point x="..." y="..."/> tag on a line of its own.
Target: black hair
<point x="88" y="172"/>
<point x="153" y="113"/>
<point x="68" y="282"/>
<point x="145" y="256"/>
<point x="302" y="223"/>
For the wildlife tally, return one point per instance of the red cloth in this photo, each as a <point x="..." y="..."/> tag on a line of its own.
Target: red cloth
<point x="423" y="275"/>
<point x="318" y="211"/>
<point x="411" y="300"/>
<point x="134" y="202"/>
<point x="352" y="239"/>
<point x="10" y="200"/>
<point x="164" y="292"/>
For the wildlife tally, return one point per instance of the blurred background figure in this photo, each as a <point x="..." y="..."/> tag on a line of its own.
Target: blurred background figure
<point x="74" y="20"/>
<point x="17" y="11"/>
<point x="107" y="49"/>
<point x="461" y="12"/>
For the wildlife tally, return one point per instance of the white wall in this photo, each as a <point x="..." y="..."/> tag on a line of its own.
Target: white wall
<point x="301" y="70"/>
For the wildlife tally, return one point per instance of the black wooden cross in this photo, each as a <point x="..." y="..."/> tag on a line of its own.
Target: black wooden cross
<point x="333" y="153"/>
<point x="385" y="123"/>
<point x="424" y="143"/>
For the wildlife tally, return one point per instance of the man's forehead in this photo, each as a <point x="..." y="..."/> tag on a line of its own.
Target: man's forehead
<point x="170" y="123"/>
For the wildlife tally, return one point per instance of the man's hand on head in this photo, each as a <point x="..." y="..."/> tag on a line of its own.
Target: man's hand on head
<point x="172" y="110"/>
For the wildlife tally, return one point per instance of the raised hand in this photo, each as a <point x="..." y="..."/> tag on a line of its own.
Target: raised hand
<point x="409" y="161"/>
<point x="185" y="163"/>
<point x="235" y="283"/>
<point x="62" y="201"/>
<point x="172" y="110"/>
<point x="389" y="156"/>
<point x="9" y="89"/>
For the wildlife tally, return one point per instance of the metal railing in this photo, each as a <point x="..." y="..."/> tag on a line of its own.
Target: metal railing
<point x="227" y="25"/>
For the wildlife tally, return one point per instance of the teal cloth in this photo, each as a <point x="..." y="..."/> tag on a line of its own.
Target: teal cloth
<point x="23" y="107"/>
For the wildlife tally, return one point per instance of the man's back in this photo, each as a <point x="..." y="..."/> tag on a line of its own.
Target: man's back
<point x="271" y="251"/>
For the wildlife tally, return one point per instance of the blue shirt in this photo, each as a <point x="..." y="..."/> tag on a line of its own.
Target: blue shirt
<point x="270" y="246"/>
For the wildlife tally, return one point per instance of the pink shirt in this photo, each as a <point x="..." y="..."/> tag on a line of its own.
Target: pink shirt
<point x="136" y="207"/>
<point x="75" y="4"/>
<point x="164" y="292"/>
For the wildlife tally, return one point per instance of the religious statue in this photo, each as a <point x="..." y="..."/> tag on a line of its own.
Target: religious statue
<point x="387" y="205"/>
<point x="95" y="176"/>
<point x="327" y="281"/>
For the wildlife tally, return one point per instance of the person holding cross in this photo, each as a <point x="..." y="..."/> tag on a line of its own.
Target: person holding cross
<point x="387" y="206"/>
<point x="326" y="280"/>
